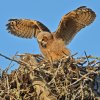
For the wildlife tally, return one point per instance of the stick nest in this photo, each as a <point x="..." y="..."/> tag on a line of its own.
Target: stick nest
<point x="38" y="79"/>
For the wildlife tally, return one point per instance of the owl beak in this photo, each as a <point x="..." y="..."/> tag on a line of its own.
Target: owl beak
<point x="39" y="41"/>
<point x="44" y="44"/>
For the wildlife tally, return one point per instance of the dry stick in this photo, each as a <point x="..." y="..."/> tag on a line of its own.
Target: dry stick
<point x="74" y="54"/>
<point x="98" y="58"/>
<point x="15" y="60"/>
<point x="9" y="66"/>
<point x="9" y="58"/>
<point x="59" y="66"/>
<point x="7" y="83"/>
<point x="81" y="78"/>
<point x="81" y="87"/>
<point x="86" y="57"/>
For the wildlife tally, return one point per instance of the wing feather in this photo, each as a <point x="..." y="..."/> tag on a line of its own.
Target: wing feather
<point x="25" y="28"/>
<point x="73" y="22"/>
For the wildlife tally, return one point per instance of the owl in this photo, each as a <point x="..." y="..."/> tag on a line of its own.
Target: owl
<point x="53" y="44"/>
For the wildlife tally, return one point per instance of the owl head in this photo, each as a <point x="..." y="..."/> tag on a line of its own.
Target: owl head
<point x="43" y="38"/>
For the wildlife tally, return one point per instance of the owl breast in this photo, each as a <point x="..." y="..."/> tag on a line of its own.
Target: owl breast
<point x="55" y="50"/>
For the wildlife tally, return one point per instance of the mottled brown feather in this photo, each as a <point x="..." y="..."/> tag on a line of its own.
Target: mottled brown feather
<point x="73" y="22"/>
<point x="25" y="28"/>
<point x="53" y="45"/>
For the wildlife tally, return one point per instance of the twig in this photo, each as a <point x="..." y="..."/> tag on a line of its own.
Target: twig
<point x="86" y="57"/>
<point x="74" y="54"/>
<point x="9" y="66"/>
<point x="9" y="58"/>
<point x="81" y="78"/>
<point x="59" y="66"/>
<point x="7" y="83"/>
<point x="15" y="60"/>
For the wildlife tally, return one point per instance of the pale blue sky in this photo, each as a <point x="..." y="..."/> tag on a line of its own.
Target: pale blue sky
<point x="49" y="12"/>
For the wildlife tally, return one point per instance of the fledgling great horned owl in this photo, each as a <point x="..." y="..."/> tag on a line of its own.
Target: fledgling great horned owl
<point x="53" y="44"/>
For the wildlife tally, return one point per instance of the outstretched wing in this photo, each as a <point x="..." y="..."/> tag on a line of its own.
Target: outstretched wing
<point x="25" y="28"/>
<point x="73" y="22"/>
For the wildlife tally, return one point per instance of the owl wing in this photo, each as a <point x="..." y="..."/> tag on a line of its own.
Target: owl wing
<point x="73" y="22"/>
<point x="25" y="28"/>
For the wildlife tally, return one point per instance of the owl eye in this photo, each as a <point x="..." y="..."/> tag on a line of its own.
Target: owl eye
<point x="45" y="39"/>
